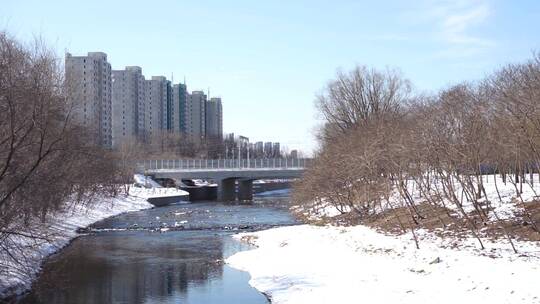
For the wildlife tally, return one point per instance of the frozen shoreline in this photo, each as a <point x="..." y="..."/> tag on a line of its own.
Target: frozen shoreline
<point x="64" y="226"/>
<point x="313" y="264"/>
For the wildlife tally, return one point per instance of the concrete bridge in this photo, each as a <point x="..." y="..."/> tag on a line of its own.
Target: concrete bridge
<point x="225" y="172"/>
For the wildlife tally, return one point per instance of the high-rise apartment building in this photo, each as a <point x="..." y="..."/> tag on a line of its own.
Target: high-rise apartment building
<point x="195" y="114"/>
<point x="276" y="150"/>
<point x="89" y="81"/>
<point x="128" y="93"/>
<point x="268" y="149"/>
<point x="259" y="149"/>
<point x="168" y="109"/>
<point x="122" y="105"/>
<point x="214" y="118"/>
<point x="178" y="109"/>
<point x="157" y="98"/>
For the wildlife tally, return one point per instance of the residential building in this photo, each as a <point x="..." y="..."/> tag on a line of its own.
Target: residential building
<point x="168" y="109"/>
<point x="251" y="149"/>
<point x="195" y="114"/>
<point x="276" y="150"/>
<point x="178" y="109"/>
<point x="268" y="149"/>
<point x="121" y="104"/>
<point x="127" y="104"/>
<point x="89" y="81"/>
<point x="243" y="143"/>
<point x="214" y="118"/>
<point x="157" y="99"/>
<point x="259" y="149"/>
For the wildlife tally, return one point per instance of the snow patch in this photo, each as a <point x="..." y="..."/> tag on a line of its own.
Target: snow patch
<point x="310" y="264"/>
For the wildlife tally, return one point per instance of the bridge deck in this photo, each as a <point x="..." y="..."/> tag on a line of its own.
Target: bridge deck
<point x="222" y="169"/>
<point x="225" y="172"/>
<point x="188" y="165"/>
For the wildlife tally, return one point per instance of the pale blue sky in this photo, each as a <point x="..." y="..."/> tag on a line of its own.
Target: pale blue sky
<point x="268" y="59"/>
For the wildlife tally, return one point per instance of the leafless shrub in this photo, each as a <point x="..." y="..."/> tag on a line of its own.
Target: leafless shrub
<point x="45" y="160"/>
<point x="383" y="148"/>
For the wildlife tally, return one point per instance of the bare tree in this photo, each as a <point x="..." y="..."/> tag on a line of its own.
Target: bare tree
<point x="361" y="96"/>
<point x="44" y="157"/>
<point x="385" y="150"/>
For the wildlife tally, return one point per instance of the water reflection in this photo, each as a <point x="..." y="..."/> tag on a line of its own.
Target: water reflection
<point x="153" y="267"/>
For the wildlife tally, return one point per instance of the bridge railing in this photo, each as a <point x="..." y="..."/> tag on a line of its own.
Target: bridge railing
<point x="216" y="164"/>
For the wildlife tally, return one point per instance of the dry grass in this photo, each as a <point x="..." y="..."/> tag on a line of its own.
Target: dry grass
<point x="442" y="222"/>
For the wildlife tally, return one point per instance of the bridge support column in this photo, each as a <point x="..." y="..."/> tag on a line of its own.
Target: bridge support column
<point x="245" y="190"/>
<point x="226" y="190"/>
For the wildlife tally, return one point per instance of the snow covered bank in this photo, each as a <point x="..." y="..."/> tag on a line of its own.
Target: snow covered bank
<point x="501" y="200"/>
<point x="145" y="187"/>
<point x="312" y="264"/>
<point x="146" y="181"/>
<point x="146" y="193"/>
<point x="62" y="227"/>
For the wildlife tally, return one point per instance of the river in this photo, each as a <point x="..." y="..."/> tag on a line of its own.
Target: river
<point x="170" y="254"/>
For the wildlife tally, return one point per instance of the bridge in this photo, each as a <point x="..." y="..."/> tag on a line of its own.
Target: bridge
<point x="225" y="172"/>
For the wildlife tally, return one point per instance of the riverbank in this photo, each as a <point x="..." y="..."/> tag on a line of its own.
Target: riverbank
<point x="61" y="227"/>
<point x="328" y="264"/>
<point x="131" y="257"/>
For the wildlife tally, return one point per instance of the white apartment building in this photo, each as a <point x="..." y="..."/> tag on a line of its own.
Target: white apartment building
<point x="89" y="81"/>
<point x="195" y="114"/>
<point x="155" y="106"/>
<point x="127" y="96"/>
<point x="121" y="105"/>
<point x="214" y="118"/>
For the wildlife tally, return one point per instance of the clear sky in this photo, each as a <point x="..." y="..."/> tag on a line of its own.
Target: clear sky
<point x="268" y="59"/>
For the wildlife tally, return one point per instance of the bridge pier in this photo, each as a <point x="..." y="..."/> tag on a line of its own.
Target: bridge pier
<point x="245" y="190"/>
<point x="226" y="189"/>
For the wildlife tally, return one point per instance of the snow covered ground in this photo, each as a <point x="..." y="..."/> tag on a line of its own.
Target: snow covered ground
<point x="501" y="196"/>
<point x="62" y="226"/>
<point x="313" y="264"/>
<point x="156" y="192"/>
<point x="145" y="187"/>
<point x="146" y="181"/>
<point x="329" y="264"/>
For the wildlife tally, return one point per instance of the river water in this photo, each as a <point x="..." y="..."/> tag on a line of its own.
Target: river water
<point x="170" y="254"/>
